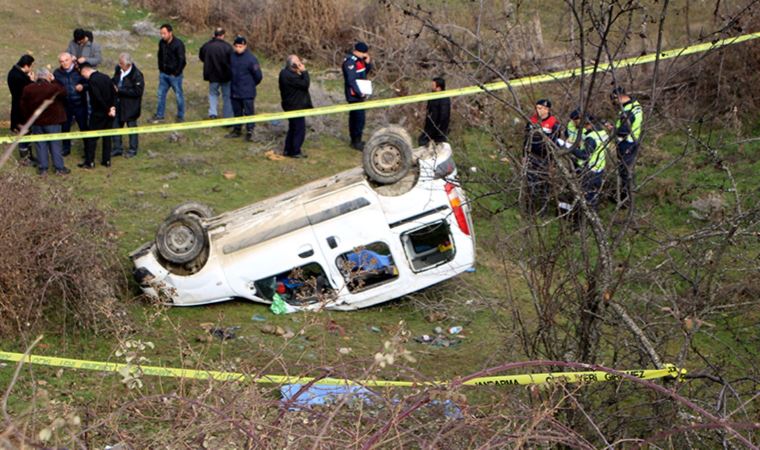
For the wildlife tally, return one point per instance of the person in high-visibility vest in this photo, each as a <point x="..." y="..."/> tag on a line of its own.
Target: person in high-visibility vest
<point x="572" y="127"/>
<point x="628" y="134"/>
<point x="590" y="158"/>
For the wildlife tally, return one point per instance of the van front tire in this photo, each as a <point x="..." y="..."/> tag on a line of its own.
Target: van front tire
<point x="387" y="156"/>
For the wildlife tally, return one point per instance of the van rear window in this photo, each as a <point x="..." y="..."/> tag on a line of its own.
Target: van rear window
<point x="299" y="286"/>
<point x="429" y="246"/>
<point x="367" y="266"/>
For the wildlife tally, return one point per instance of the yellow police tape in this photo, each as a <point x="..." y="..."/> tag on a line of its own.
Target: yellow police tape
<point x="669" y="371"/>
<point x="384" y="103"/>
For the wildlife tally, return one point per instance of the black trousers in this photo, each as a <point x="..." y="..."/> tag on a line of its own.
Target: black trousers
<point x="91" y="144"/>
<point x="296" y="135"/>
<point x="356" y="121"/>
<point x="243" y="107"/>
<point x="627" y="152"/>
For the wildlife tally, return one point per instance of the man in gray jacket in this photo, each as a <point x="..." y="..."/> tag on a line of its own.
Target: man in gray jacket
<point x="83" y="49"/>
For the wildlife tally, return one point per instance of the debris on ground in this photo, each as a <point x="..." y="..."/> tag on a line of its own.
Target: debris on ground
<point x="258" y="318"/>
<point x="375" y="329"/>
<point x="436" y="316"/>
<point x="221" y="333"/>
<point x="279" y="306"/>
<point x="272" y="156"/>
<point x="345" y="350"/>
<point x="437" y="340"/>
<point x="286" y="333"/>
<point x="333" y="327"/>
<point x="455" y="330"/>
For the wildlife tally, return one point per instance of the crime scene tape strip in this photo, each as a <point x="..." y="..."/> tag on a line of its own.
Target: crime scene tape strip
<point x="669" y="371"/>
<point x="395" y="101"/>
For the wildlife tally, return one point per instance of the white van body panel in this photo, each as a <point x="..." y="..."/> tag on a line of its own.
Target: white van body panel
<point x="317" y="223"/>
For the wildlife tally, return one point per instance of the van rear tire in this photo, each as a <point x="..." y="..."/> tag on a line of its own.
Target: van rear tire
<point x="387" y="156"/>
<point x="196" y="209"/>
<point x="181" y="239"/>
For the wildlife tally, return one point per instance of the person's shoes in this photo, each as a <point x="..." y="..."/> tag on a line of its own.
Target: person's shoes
<point x="298" y="156"/>
<point x="64" y="171"/>
<point x="116" y="153"/>
<point x="156" y="119"/>
<point x="357" y="145"/>
<point x="26" y="162"/>
<point x="130" y="154"/>
<point x="66" y="152"/>
<point x="42" y="172"/>
<point x="233" y="134"/>
<point x="106" y="163"/>
<point x="180" y="119"/>
<point x="249" y="137"/>
<point x="86" y="165"/>
<point x="212" y="117"/>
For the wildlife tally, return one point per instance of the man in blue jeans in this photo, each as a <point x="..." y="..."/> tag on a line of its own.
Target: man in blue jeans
<point x="215" y="55"/>
<point x="171" y="63"/>
<point x="33" y="96"/>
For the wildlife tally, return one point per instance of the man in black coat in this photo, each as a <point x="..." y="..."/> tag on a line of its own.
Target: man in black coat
<point x="103" y="110"/>
<point x="294" y="92"/>
<point x="437" y="116"/>
<point x="246" y="75"/>
<point x="130" y="85"/>
<point x="19" y="77"/>
<point x="215" y="55"/>
<point x="171" y="64"/>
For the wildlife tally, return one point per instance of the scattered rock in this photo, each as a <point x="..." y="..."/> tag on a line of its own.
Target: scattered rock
<point x="174" y="137"/>
<point x="145" y="28"/>
<point x="170" y="176"/>
<point x="436" y="316"/>
<point x="345" y="350"/>
<point x="229" y="175"/>
<point x="707" y="207"/>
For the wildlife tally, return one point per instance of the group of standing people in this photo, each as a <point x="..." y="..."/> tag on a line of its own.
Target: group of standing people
<point x="587" y="139"/>
<point x="95" y="101"/>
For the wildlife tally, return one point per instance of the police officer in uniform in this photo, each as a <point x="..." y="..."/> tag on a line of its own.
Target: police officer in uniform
<point x="356" y="65"/>
<point x="628" y="132"/>
<point x="590" y="159"/>
<point x="540" y="131"/>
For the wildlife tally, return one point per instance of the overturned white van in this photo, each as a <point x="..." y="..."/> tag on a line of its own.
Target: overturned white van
<point x="343" y="242"/>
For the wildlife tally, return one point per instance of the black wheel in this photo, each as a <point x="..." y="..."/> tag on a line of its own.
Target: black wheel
<point x="180" y="239"/>
<point x="196" y="209"/>
<point x="388" y="155"/>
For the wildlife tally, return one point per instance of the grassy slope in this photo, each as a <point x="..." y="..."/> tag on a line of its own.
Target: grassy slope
<point x="139" y="193"/>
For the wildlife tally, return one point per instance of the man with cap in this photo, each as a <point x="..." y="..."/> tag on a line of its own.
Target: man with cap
<point x="541" y="130"/>
<point x="355" y="67"/>
<point x="130" y="85"/>
<point x="215" y="55"/>
<point x="246" y="75"/>
<point x="628" y="132"/>
<point x="103" y="110"/>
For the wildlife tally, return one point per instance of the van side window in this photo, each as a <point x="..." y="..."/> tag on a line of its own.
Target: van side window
<point x="299" y="286"/>
<point x="367" y="266"/>
<point x="429" y="246"/>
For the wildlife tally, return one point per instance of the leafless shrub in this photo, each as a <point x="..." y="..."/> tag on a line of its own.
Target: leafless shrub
<point x="59" y="266"/>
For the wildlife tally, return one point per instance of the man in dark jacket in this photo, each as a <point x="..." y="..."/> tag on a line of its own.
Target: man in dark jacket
<point x="103" y="110"/>
<point x="355" y="67"/>
<point x="437" y="116"/>
<point x="76" y="98"/>
<point x="294" y="92"/>
<point x="19" y="77"/>
<point x="130" y="85"/>
<point x="171" y="63"/>
<point x="246" y="75"/>
<point x="33" y="96"/>
<point x="216" y="55"/>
